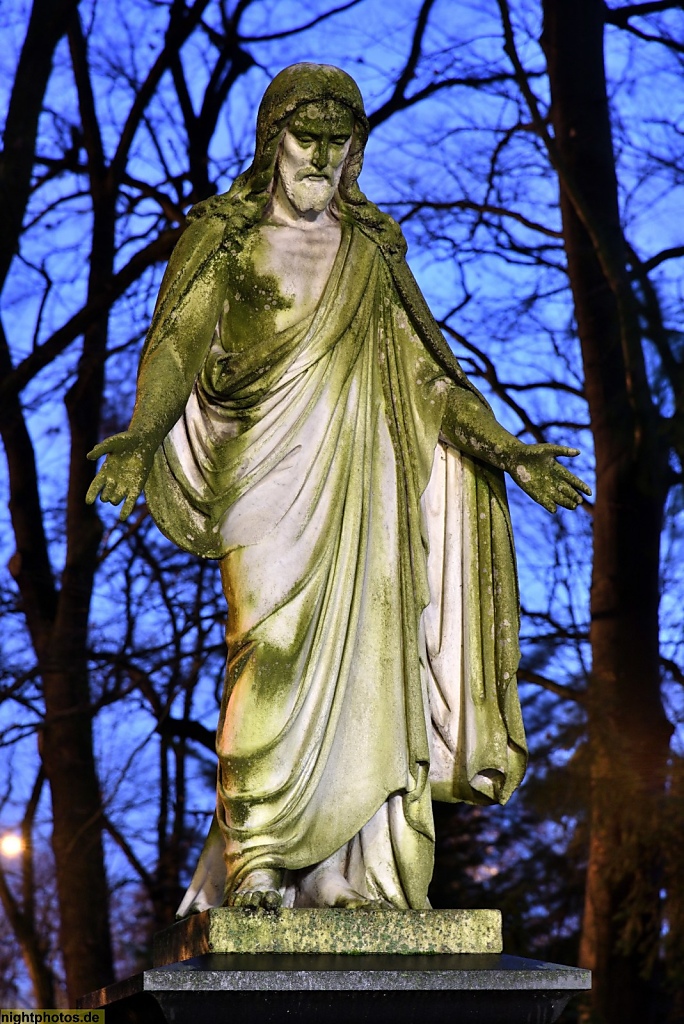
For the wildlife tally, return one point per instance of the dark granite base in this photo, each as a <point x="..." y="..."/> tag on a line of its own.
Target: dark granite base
<point x="269" y="989"/>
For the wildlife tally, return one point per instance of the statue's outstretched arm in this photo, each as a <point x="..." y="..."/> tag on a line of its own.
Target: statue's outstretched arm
<point x="470" y="426"/>
<point x="186" y="314"/>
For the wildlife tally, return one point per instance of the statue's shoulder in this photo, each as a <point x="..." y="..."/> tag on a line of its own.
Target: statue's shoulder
<point x="205" y="235"/>
<point x="229" y="217"/>
<point x="201" y="249"/>
<point x="207" y="223"/>
<point x="375" y="230"/>
<point x="215" y="208"/>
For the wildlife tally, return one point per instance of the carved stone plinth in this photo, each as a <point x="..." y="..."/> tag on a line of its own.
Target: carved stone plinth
<point x="330" y="931"/>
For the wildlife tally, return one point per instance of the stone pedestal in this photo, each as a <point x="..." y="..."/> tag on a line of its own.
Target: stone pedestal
<point x="270" y="988"/>
<point x="352" y="971"/>
<point x="329" y="931"/>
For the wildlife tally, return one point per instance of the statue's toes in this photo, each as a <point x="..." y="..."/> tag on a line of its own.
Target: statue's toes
<point x="244" y="898"/>
<point x="253" y="899"/>
<point x="271" y="900"/>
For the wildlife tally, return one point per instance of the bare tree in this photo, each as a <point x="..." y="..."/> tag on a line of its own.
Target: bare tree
<point x="629" y="731"/>
<point x="578" y="154"/>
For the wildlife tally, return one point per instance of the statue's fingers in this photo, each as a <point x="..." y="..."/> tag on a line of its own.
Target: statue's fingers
<point x="118" y="493"/>
<point x="575" y="482"/>
<point x="128" y="506"/>
<point x="560" y="451"/>
<point x="111" y="445"/>
<point x="569" y="501"/>
<point x="569" y="493"/>
<point x="109" y="491"/>
<point x="567" y="484"/>
<point x="96" y="486"/>
<point x="547" y="503"/>
<point x="98" y="451"/>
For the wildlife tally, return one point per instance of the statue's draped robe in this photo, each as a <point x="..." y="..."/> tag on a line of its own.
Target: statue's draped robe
<point x="370" y="579"/>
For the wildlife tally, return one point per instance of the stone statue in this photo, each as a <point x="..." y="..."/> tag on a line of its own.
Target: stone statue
<point x="300" y="417"/>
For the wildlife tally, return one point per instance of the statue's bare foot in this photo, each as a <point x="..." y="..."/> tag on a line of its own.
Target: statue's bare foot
<point x="333" y="890"/>
<point x="258" y="889"/>
<point x="355" y="901"/>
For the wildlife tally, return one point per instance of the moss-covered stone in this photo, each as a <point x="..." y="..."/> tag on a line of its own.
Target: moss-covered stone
<point x="237" y="930"/>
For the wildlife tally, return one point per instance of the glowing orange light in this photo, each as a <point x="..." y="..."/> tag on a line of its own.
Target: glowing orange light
<point x="11" y="845"/>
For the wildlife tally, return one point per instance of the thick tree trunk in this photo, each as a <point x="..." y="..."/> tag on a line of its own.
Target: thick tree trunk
<point x="57" y="616"/>
<point x="67" y="749"/>
<point x="628" y="731"/>
<point x="67" y="752"/>
<point x="46" y="27"/>
<point x="57" y="619"/>
<point x="58" y="625"/>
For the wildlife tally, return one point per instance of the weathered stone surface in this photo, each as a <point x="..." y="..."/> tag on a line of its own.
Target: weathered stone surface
<point x="238" y="930"/>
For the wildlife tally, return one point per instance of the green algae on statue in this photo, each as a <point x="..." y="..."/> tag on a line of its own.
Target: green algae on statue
<point x="300" y="417"/>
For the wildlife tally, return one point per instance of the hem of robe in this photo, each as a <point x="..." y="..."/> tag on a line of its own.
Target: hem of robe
<point x="373" y="867"/>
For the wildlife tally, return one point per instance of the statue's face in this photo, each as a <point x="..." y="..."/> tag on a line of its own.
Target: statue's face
<point x="312" y="154"/>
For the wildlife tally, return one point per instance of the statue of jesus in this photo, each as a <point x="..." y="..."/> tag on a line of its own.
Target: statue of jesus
<point x="300" y="417"/>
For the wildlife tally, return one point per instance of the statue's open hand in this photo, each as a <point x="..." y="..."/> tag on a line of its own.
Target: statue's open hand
<point x="124" y="473"/>
<point x="535" y="469"/>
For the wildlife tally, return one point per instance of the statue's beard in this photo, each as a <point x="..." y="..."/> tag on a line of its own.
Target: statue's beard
<point x="309" y="189"/>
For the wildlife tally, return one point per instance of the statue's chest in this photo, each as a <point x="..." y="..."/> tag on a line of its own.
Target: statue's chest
<point x="280" y="275"/>
<point x="301" y="263"/>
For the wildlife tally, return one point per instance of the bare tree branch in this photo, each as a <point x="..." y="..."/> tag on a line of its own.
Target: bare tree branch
<point x="181" y="24"/>
<point x="621" y="15"/>
<point x="92" y="136"/>
<point x="673" y="253"/>
<point x="566" y="692"/>
<point x="398" y="103"/>
<point x="649" y="37"/>
<point x="129" y="853"/>
<point x="188" y="730"/>
<point x="30" y="565"/>
<point x="468" y="204"/>
<point x="674" y="669"/>
<point x="22" y="917"/>
<point x="28" y="883"/>
<point x="218" y="40"/>
<point x="13" y="382"/>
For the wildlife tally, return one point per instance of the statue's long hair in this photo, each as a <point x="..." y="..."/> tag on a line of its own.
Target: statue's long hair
<point x="244" y="205"/>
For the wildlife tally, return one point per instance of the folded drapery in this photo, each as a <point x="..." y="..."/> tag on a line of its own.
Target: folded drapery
<point x="370" y="579"/>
